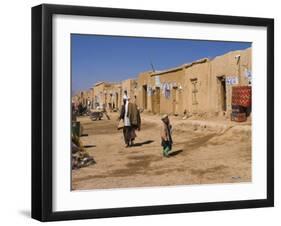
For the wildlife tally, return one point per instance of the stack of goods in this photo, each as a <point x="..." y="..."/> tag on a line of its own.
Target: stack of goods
<point x="241" y="95"/>
<point x="80" y="157"/>
<point x="76" y="128"/>
<point x="241" y="101"/>
<point x="238" y="113"/>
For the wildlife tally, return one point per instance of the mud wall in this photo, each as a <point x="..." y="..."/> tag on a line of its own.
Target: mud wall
<point x="201" y="87"/>
<point x="130" y="85"/>
<point x="231" y="66"/>
<point x="171" y="95"/>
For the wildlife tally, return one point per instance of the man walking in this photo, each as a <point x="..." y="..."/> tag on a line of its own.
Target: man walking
<point x="131" y="118"/>
<point x="127" y="129"/>
<point x="135" y="120"/>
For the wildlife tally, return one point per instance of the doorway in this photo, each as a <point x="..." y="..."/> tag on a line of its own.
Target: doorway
<point x="222" y="93"/>
<point x="175" y="96"/>
<point x="144" y="96"/>
<point x="156" y="101"/>
<point x="117" y="100"/>
<point x="194" y="95"/>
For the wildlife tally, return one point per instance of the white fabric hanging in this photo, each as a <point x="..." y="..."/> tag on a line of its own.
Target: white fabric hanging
<point x="126" y="118"/>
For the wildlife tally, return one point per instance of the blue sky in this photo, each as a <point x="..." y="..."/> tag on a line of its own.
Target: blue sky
<point x="116" y="58"/>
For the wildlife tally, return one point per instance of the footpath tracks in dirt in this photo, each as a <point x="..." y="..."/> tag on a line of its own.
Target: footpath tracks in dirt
<point x="202" y="155"/>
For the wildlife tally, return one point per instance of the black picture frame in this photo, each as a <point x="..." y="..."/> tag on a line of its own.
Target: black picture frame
<point x="42" y="111"/>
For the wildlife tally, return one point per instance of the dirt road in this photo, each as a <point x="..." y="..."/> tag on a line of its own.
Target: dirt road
<point x="202" y="153"/>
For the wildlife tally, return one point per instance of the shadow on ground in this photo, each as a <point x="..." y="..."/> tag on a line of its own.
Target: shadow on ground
<point x="174" y="153"/>
<point x="89" y="146"/>
<point x="143" y="143"/>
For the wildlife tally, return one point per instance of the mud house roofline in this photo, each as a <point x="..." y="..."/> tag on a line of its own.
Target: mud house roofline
<point x="98" y="83"/>
<point x="180" y="67"/>
<point x="106" y="83"/>
<point x="130" y="79"/>
<point x="233" y="51"/>
<point x="145" y="73"/>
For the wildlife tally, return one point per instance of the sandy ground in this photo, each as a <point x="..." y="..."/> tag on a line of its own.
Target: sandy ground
<point x="204" y="152"/>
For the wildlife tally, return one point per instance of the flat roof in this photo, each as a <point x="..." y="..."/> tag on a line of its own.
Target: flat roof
<point x="180" y="67"/>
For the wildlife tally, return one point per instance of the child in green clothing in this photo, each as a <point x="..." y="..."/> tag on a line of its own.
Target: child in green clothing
<point x="166" y="137"/>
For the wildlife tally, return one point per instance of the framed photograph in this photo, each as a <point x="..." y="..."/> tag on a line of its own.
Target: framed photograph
<point x="140" y="112"/>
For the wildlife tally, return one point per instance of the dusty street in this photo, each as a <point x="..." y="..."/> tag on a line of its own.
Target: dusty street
<point x="203" y="152"/>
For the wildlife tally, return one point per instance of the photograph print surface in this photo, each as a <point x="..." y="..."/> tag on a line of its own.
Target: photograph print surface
<point x="159" y="112"/>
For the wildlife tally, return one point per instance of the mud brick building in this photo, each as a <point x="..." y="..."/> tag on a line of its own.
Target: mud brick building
<point x="172" y="88"/>
<point x="202" y="87"/>
<point x="80" y="97"/>
<point x="231" y="69"/>
<point x="107" y="95"/>
<point x="143" y="92"/>
<point x="129" y="85"/>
